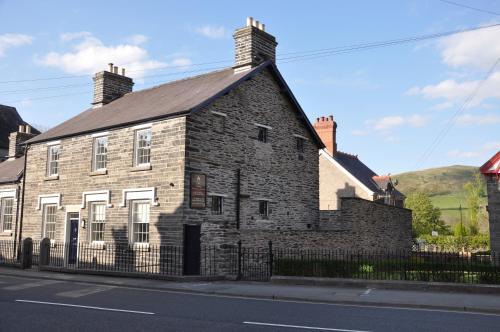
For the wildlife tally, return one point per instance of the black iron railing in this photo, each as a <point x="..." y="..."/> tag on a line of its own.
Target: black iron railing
<point x="8" y="253"/>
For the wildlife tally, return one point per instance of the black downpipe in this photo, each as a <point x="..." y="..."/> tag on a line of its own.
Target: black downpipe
<point x="18" y="200"/>
<point x="22" y="201"/>
<point x="238" y="198"/>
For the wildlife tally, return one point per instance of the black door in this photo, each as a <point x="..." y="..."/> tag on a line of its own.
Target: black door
<point x="192" y="249"/>
<point x="73" y="237"/>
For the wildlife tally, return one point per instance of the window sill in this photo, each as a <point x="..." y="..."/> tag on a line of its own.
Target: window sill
<point x="51" y="178"/>
<point x="99" y="172"/>
<point x="142" y="246"/>
<point x="141" y="168"/>
<point x="97" y="245"/>
<point x="6" y="234"/>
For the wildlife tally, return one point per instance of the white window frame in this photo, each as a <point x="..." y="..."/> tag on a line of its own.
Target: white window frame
<point x="132" y="222"/>
<point x="136" y="146"/>
<point x="95" y="153"/>
<point x="44" y="220"/>
<point x="50" y="161"/>
<point x="92" y="222"/>
<point x="3" y="214"/>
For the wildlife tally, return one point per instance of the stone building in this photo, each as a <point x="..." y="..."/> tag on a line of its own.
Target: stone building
<point x="10" y="120"/>
<point x="345" y="175"/>
<point x="190" y="161"/>
<point x="491" y="171"/>
<point x="11" y="173"/>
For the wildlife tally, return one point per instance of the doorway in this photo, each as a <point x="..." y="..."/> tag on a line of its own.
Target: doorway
<point x="192" y="249"/>
<point x="73" y="223"/>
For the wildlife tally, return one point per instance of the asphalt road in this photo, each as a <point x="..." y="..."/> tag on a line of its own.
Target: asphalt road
<point x="49" y="305"/>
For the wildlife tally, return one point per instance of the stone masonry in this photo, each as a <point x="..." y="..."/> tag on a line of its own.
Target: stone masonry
<point x="493" y="187"/>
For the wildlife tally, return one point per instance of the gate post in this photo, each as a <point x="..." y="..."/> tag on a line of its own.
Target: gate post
<point x="239" y="275"/>
<point x="27" y="253"/>
<point x="270" y="258"/>
<point x="44" y="252"/>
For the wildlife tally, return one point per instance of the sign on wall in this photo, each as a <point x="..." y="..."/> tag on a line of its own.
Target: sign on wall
<point x="198" y="191"/>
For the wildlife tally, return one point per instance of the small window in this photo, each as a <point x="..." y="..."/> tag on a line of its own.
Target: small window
<point x="262" y="134"/>
<point x="217" y="204"/>
<point x="300" y="144"/>
<point x="218" y="123"/>
<point x="97" y="221"/>
<point x="53" y="160"/>
<point x="264" y="209"/>
<point x="49" y="221"/>
<point x="140" y="221"/>
<point x="143" y="147"/>
<point x="6" y="213"/>
<point x="100" y="153"/>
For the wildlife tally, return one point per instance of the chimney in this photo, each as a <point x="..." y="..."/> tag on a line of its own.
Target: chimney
<point x="110" y="85"/>
<point x="326" y="129"/>
<point x="16" y="140"/>
<point x="253" y="45"/>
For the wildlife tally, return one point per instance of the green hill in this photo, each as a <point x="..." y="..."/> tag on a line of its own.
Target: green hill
<point x="445" y="187"/>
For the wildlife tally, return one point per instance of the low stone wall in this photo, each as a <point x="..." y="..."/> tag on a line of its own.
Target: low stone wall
<point x="359" y="225"/>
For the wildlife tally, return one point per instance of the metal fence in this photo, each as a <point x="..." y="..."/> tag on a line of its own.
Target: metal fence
<point x="8" y="254"/>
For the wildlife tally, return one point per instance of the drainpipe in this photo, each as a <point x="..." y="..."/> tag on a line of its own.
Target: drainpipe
<point x="18" y="199"/>
<point x="238" y="198"/>
<point x="22" y="200"/>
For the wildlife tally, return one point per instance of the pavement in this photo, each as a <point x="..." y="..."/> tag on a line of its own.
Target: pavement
<point x="58" y="302"/>
<point x="361" y="293"/>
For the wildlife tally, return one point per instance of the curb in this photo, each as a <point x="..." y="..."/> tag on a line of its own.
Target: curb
<point x="389" y="284"/>
<point x="399" y="306"/>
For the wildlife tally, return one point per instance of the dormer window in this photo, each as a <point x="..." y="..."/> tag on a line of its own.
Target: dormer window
<point x="142" y="147"/>
<point x="53" y="160"/>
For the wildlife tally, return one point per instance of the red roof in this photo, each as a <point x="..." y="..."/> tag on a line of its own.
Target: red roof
<point x="492" y="166"/>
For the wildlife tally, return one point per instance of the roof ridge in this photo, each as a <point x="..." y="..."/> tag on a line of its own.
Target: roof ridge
<point x="348" y="154"/>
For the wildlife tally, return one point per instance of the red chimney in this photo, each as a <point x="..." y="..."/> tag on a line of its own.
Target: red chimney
<point x="327" y="131"/>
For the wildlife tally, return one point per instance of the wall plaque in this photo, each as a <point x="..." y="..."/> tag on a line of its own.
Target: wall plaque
<point x="198" y="191"/>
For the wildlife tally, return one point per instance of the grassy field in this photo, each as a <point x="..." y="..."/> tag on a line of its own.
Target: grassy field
<point x="445" y="187"/>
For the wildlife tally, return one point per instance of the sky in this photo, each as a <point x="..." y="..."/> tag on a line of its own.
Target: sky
<point x="399" y="108"/>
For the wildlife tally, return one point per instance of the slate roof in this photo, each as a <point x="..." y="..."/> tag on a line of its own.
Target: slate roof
<point x="11" y="170"/>
<point x="167" y="100"/>
<point x="363" y="173"/>
<point x="10" y="121"/>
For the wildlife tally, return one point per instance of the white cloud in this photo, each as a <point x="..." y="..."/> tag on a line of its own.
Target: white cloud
<point x="137" y="39"/>
<point x="10" y="40"/>
<point x="442" y="106"/>
<point x="88" y="55"/>
<point x="390" y="122"/>
<point x="485" y="119"/>
<point x="359" y="132"/>
<point x="477" y="49"/>
<point x="211" y="31"/>
<point x="484" y="151"/>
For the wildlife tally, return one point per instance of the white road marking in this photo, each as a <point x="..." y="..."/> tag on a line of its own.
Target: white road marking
<point x="87" y="307"/>
<point x="303" y="327"/>
<point x="366" y="292"/>
<point x="85" y="291"/>
<point x="32" y="285"/>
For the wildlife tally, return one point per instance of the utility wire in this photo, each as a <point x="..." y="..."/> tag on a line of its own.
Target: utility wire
<point x="306" y="54"/>
<point x="451" y="122"/>
<point x="453" y="3"/>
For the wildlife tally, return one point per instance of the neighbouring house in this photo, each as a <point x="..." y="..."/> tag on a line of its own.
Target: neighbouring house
<point x="345" y="175"/>
<point x="183" y="163"/>
<point x="491" y="171"/>
<point x="10" y="120"/>
<point x="11" y="172"/>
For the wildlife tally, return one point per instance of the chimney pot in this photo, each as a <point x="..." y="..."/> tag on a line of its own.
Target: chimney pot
<point x="115" y="69"/>
<point x="317" y="119"/>
<point x="263" y="27"/>
<point x="256" y="24"/>
<point x="322" y="118"/>
<point x="28" y="129"/>
<point x="110" y="67"/>
<point x="331" y="117"/>
<point x="249" y="21"/>
<point x="123" y="71"/>
<point x="21" y="128"/>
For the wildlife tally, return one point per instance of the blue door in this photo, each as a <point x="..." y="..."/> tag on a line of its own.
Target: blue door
<point x="74" y="219"/>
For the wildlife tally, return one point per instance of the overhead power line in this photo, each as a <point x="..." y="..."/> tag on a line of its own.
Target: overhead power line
<point x="303" y="55"/>
<point x="453" y="3"/>
<point x="451" y="122"/>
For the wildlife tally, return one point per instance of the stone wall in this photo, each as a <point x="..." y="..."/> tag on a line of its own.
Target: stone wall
<point x="270" y="171"/>
<point x="363" y="225"/>
<point x="493" y="187"/>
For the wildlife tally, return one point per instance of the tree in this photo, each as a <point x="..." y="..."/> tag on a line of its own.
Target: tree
<point x="426" y="217"/>
<point x="473" y="191"/>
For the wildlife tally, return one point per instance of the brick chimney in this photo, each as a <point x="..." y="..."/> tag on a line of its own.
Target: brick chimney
<point x="110" y="85"/>
<point x="253" y="45"/>
<point x="16" y="140"/>
<point x="327" y="131"/>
